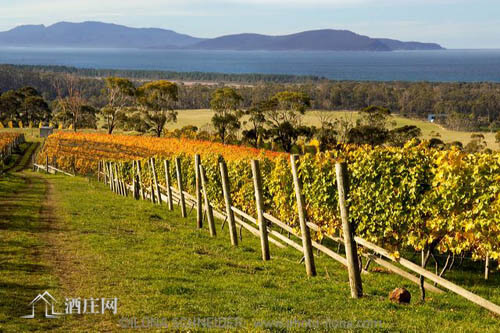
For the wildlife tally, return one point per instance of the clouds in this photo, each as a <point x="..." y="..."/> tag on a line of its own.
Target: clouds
<point x="454" y="23"/>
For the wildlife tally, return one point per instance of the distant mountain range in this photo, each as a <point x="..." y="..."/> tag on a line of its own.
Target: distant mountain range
<point x="105" y="35"/>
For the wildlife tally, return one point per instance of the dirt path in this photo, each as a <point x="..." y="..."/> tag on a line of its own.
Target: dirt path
<point x="39" y="250"/>
<point x="55" y="235"/>
<point x="31" y="258"/>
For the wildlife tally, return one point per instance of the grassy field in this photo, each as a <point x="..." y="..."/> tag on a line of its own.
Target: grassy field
<point x="201" y="118"/>
<point x="75" y="238"/>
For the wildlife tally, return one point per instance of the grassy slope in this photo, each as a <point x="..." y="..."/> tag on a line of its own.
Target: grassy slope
<point x="23" y="271"/>
<point x="158" y="264"/>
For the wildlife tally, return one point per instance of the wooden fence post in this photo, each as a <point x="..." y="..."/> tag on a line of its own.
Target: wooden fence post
<point x="208" y="207"/>
<point x="155" y="179"/>
<point x="117" y="181"/>
<point x="349" y="243"/>
<point x="306" y="236"/>
<point x="134" y="182"/>
<point x="167" y="182"/>
<point x="141" y="187"/>
<point x="73" y="165"/>
<point x="47" y="164"/>
<point x="199" y="208"/>
<point x="179" y="184"/>
<point x="119" y="177"/>
<point x="136" y="188"/>
<point x="98" y="171"/>
<point x="121" y="181"/>
<point x="257" y="182"/>
<point x="487" y="267"/>
<point x="122" y="176"/>
<point x="110" y="175"/>
<point x="226" y="189"/>
<point x="153" y="200"/>
<point x="105" y="172"/>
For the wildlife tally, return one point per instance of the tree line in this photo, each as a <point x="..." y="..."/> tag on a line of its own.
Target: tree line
<point x="460" y="106"/>
<point x="273" y="123"/>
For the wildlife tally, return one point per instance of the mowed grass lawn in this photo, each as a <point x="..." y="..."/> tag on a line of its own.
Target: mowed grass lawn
<point x="75" y="238"/>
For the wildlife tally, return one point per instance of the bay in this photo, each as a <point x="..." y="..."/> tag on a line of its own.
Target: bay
<point x="444" y="66"/>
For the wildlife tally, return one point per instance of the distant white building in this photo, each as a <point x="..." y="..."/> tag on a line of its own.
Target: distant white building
<point x="432" y="117"/>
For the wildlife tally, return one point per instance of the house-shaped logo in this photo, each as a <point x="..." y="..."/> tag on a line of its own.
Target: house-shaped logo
<point x="49" y="306"/>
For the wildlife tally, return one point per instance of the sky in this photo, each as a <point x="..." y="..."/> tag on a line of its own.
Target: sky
<point x="452" y="23"/>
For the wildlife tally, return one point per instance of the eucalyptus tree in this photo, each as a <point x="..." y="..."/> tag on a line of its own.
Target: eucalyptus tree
<point x="157" y="101"/>
<point x="71" y="108"/>
<point x="284" y="117"/>
<point x="225" y="103"/>
<point x="25" y="105"/>
<point x="256" y="133"/>
<point x="120" y="94"/>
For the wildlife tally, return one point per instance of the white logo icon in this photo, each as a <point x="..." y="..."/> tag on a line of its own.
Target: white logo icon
<point x="49" y="306"/>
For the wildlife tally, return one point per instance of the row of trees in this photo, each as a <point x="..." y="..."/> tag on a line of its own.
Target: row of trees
<point x="146" y="108"/>
<point x="466" y="106"/>
<point x="273" y="123"/>
<point x="25" y="105"/>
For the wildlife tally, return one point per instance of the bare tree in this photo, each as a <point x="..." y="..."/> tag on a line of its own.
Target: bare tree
<point x="70" y="105"/>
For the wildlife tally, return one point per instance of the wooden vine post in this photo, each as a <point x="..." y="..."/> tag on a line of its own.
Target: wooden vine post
<point x="103" y="171"/>
<point x="117" y="180"/>
<point x="199" y="208"/>
<point x="122" y="181"/>
<point x="110" y="176"/>
<point x="139" y="174"/>
<point x="98" y="171"/>
<point x="136" y="187"/>
<point x="153" y="200"/>
<point x="487" y="267"/>
<point x="208" y="206"/>
<point x="306" y="236"/>
<point x="125" y="187"/>
<point x="259" y="202"/>
<point x="167" y="183"/>
<point x="179" y="184"/>
<point x="348" y="232"/>
<point x="106" y="172"/>
<point x="134" y="182"/>
<point x="155" y="179"/>
<point x="115" y="186"/>
<point x="226" y="189"/>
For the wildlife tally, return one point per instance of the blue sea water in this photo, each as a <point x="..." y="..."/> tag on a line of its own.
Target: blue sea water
<point x="446" y="65"/>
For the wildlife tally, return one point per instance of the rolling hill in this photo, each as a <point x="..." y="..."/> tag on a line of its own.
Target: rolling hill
<point x="105" y="35"/>
<point x="94" y="34"/>
<point x="316" y="40"/>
